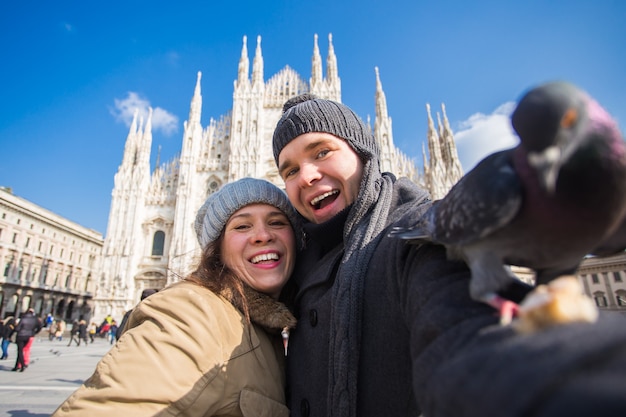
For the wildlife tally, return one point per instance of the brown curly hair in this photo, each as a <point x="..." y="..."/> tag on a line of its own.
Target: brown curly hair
<point x="211" y="273"/>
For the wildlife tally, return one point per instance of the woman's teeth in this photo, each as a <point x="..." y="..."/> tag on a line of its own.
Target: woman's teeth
<point x="264" y="257"/>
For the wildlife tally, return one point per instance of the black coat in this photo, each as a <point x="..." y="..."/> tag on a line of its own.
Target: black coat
<point x="426" y="346"/>
<point x="28" y="326"/>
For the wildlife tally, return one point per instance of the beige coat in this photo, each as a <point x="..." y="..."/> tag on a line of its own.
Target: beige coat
<point x="186" y="352"/>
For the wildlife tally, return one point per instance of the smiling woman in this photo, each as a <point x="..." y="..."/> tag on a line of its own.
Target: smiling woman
<point x="209" y="345"/>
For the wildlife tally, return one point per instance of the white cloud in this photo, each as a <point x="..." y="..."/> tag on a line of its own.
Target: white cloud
<point x="483" y="134"/>
<point x="162" y="120"/>
<point x="68" y="27"/>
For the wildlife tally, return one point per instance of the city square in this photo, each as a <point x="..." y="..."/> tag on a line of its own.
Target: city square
<point x="54" y="372"/>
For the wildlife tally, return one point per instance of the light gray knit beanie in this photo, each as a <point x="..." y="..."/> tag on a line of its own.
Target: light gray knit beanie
<point x="308" y="113"/>
<point x="219" y="206"/>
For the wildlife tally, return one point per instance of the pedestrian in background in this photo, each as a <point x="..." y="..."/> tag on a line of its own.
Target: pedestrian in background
<point x="74" y="334"/>
<point x="29" y="325"/>
<point x="49" y="320"/>
<point x="52" y="329"/>
<point x="93" y="328"/>
<point x="113" y="332"/>
<point x="60" y="329"/>
<point x="82" y="332"/>
<point x="8" y="326"/>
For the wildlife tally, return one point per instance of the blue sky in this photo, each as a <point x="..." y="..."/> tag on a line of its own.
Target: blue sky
<point x="71" y="70"/>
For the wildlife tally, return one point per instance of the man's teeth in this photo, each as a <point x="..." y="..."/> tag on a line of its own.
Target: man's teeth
<point x="319" y="198"/>
<point x="264" y="257"/>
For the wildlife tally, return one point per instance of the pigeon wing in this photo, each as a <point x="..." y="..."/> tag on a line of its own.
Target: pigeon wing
<point x="484" y="200"/>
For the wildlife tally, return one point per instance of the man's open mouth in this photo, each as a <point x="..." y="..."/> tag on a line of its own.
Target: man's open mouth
<point x="325" y="199"/>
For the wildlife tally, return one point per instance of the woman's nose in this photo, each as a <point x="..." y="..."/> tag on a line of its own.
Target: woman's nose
<point x="262" y="234"/>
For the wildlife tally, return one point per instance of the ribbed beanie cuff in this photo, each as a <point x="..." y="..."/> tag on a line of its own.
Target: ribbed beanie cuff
<point x="219" y="206"/>
<point x="307" y="113"/>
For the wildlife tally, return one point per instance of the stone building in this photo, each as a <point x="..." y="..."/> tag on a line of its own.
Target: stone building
<point x="48" y="262"/>
<point x="150" y="241"/>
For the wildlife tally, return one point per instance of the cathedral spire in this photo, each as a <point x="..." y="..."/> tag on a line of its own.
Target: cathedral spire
<point x="451" y="157"/>
<point x="331" y="62"/>
<point x="381" y="100"/>
<point x="257" y="64"/>
<point x="244" y="64"/>
<point x="446" y="123"/>
<point x="146" y="141"/>
<point x="433" y="139"/>
<point x="195" y="108"/>
<point x="316" y="66"/>
<point x="130" y="148"/>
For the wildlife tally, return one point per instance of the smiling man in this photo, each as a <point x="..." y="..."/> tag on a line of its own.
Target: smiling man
<point x="386" y="328"/>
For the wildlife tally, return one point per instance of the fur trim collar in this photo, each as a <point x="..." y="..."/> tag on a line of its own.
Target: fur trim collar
<point x="265" y="311"/>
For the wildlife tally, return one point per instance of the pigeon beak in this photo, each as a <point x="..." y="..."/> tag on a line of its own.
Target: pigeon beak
<point x="547" y="165"/>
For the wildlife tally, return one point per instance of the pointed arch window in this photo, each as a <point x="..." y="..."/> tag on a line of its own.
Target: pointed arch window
<point x="158" y="242"/>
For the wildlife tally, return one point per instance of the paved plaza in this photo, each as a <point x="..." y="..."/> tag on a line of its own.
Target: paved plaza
<point x="54" y="372"/>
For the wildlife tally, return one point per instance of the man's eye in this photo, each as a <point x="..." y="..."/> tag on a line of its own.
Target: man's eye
<point x="290" y="173"/>
<point x="322" y="153"/>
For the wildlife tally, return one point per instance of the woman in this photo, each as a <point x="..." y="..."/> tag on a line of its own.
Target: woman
<point x="210" y="344"/>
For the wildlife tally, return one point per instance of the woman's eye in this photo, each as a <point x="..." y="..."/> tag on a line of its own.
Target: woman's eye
<point x="278" y="223"/>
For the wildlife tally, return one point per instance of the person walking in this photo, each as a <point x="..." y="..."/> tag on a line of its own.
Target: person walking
<point x="29" y="325"/>
<point x="60" y="329"/>
<point x="209" y="345"/>
<point x="8" y="327"/>
<point x="49" y="320"/>
<point x="92" y="331"/>
<point x="82" y="332"/>
<point x="112" y="332"/>
<point x="74" y="334"/>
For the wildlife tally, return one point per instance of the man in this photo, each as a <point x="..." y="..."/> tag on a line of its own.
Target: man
<point x="386" y="328"/>
<point x="28" y="326"/>
<point x="74" y="333"/>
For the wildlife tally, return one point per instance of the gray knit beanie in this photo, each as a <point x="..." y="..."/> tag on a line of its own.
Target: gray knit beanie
<point x="219" y="206"/>
<point x="307" y="113"/>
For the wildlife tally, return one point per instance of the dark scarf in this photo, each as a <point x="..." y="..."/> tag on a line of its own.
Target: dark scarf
<point x="361" y="234"/>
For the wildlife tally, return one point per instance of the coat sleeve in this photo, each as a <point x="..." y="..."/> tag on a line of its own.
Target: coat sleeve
<point x="169" y="354"/>
<point x="466" y="364"/>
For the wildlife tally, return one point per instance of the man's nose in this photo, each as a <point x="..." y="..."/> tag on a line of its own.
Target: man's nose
<point x="309" y="174"/>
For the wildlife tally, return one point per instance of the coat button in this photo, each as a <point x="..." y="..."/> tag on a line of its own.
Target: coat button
<point x="313" y="318"/>
<point x="304" y="408"/>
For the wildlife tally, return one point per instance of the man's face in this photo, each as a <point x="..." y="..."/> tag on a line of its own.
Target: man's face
<point x="322" y="175"/>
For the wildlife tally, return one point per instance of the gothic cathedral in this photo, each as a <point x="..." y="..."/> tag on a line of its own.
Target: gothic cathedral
<point x="150" y="240"/>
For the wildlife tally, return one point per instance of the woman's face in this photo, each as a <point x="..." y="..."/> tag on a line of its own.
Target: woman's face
<point x="259" y="247"/>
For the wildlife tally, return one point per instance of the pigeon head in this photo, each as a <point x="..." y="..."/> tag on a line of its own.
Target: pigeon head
<point x="550" y="121"/>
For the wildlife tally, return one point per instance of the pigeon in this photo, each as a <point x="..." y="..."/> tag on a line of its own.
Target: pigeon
<point x="556" y="197"/>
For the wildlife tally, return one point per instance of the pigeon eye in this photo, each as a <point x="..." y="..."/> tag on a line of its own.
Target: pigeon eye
<point x="569" y="118"/>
